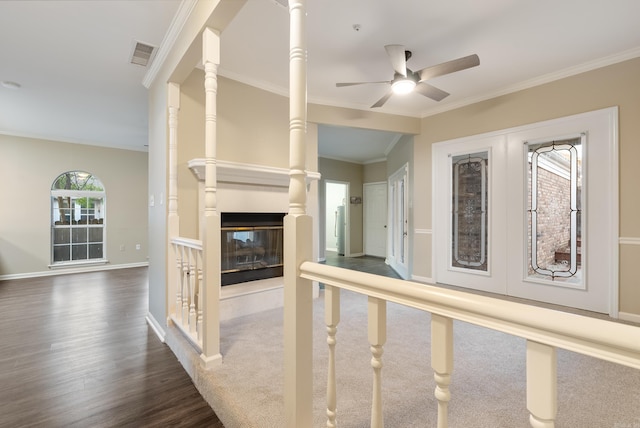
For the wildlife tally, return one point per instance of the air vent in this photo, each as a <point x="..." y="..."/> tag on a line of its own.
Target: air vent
<point x="142" y="54"/>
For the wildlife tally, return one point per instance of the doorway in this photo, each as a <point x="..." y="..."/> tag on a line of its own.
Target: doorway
<point x="337" y="217"/>
<point x="398" y="222"/>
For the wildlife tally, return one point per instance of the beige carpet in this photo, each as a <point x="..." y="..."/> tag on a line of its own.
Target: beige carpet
<point x="488" y="383"/>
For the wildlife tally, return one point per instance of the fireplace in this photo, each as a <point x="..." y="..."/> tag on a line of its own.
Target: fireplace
<point x="251" y="246"/>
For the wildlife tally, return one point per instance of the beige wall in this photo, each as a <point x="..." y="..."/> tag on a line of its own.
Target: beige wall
<point x="265" y="142"/>
<point x="615" y="85"/>
<point x="28" y="168"/>
<point x="374" y="172"/>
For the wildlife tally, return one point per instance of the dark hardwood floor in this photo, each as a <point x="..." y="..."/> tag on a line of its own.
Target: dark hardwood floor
<point x="369" y="264"/>
<point x="75" y="351"/>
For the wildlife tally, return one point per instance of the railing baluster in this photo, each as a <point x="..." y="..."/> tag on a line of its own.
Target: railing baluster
<point x="542" y="395"/>
<point x="199" y="294"/>
<point x="180" y="278"/>
<point x="442" y="363"/>
<point x="193" y="264"/>
<point x="184" y="316"/>
<point x="377" y="310"/>
<point x="332" y="318"/>
<point x="188" y="315"/>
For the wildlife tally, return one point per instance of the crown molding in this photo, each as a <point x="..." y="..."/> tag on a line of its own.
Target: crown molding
<point x="541" y="80"/>
<point x="175" y="28"/>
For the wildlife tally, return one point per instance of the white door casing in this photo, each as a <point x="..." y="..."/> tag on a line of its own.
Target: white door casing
<point x="508" y="212"/>
<point x="398" y="222"/>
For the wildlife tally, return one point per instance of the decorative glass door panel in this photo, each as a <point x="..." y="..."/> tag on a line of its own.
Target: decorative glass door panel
<point x="469" y="210"/>
<point x="554" y="236"/>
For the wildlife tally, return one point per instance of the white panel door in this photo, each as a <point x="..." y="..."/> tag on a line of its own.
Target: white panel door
<point x="375" y="219"/>
<point x="531" y="212"/>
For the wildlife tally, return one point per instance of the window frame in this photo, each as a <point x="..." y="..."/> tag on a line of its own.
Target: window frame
<point x="74" y="195"/>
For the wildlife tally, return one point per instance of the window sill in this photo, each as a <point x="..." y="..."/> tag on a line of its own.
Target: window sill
<point x="80" y="263"/>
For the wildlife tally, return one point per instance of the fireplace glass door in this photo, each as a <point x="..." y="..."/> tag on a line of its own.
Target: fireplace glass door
<point x="250" y="248"/>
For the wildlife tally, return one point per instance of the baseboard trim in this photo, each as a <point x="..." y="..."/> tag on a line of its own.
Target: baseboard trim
<point x="95" y="268"/>
<point x="356" y="255"/>
<point x="626" y="316"/>
<point x="156" y="327"/>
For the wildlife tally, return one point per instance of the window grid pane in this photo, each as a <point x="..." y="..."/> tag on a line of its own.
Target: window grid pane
<point x="469" y="212"/>
<point x="77" y="219"/>
<point x="554" y="198"/>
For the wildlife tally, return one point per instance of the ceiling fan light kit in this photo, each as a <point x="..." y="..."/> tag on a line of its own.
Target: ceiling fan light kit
<point x="406" y="81"/>
<point x="403" y="85"/>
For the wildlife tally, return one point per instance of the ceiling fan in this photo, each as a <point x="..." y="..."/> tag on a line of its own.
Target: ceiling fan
<point x="405" y="80"/>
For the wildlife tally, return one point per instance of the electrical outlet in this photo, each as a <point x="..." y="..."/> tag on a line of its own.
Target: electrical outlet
<point x="137" y="246"/>
<point x="121" y="247"/>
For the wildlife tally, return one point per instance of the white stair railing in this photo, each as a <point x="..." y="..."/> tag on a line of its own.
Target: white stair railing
<point x="544" y="329"/>
<point x="188" y="309"/>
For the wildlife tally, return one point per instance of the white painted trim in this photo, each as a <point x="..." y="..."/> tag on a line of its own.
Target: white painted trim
<point x="369" y="162"/>
<point x="95" y="268"/>
<point x="392" y="144"/>
<point x="614" y="226"/>
<point x="626" y="316"/>
<point x="628" y="241"/>
<point x="79" y="263"/>
<point x="156" y="327"/>
<point x="356" y="255"/>
<point x="175" y="28"/>
<point x="423" y="279"/>
<point x="236" y="172"/>
<point x="423" y="231"/>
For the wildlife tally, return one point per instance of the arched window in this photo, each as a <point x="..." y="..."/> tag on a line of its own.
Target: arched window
<point x="77" y="218"/>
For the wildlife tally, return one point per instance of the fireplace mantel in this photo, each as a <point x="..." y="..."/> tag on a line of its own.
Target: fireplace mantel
<point x="235" y="172"/>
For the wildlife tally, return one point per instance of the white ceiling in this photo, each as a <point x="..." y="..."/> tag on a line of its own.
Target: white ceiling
<point x="71" y="57"/>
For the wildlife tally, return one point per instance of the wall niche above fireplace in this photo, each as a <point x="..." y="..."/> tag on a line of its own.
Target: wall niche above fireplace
<point x="251" y="246"/>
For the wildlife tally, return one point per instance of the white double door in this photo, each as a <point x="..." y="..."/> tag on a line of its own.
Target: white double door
<point x="500" y="227"/>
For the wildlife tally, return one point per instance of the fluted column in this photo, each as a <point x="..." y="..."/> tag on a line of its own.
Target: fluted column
<point x="173" y="220"/>
<point x="298" y="238"/>
<point x="211" y="243"/>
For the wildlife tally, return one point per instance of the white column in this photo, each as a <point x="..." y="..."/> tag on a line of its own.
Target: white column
<point x="542" y="394"/>
<point x="442" y="363"/>
<point x="298" y="238"/>
<point x="173" y="220"/>
<point x="211" y="243"/>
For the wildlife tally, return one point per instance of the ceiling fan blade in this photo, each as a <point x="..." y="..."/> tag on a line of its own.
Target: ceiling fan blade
<point x="431" y="91"/>
<point x="448" y="67"/>
<point x="383" y="100"/>
<point x="397" y="58"/>
<point x="339" y="85"/>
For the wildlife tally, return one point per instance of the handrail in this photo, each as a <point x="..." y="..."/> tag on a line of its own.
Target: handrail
<point x="606" y="340"/>
<point x="196" y="244"/>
